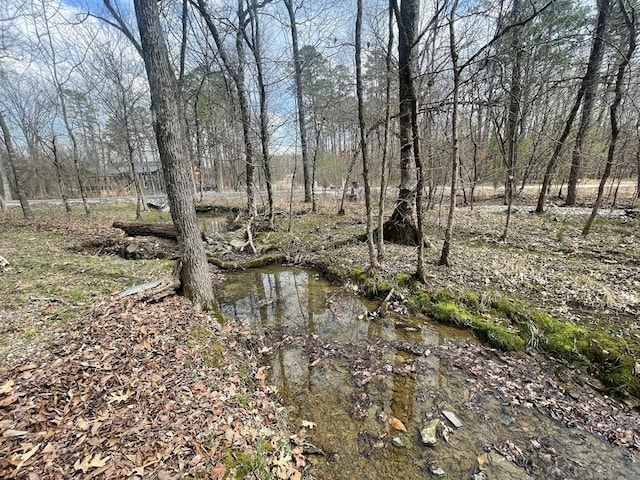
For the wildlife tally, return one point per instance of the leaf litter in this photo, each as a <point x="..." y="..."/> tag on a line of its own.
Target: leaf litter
<point x="130" y="391"/>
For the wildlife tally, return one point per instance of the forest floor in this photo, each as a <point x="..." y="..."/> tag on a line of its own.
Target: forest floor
<point x="97" y="386"/>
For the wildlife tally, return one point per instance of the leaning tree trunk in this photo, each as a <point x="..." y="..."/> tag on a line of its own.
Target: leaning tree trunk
<point x="165" y="104"/>
<point x="591" y="82"/>
<point x="613" y="115"/>
<point x="587" y="82"/>
<point x="17" y="177"/>
<point x="402" y="226"/>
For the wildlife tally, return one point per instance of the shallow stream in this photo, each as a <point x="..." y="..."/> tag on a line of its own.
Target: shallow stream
<point x="345" y="373"/>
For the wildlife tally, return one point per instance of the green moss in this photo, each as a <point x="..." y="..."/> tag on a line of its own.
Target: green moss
<point x="404" y="279"/>
<point x="512" y="325"/>
<point x="358" y="274"/>
<point x="247" y="466"/>
<point x="384" y="288"/>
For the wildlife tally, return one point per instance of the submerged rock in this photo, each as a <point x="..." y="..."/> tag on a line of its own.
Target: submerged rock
<point x="397" y="442"/>
<point x="429" y="433"/>
<point x="453" y="418"/>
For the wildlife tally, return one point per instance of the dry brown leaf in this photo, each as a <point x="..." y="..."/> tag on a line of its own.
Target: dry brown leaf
<point x="397" y="424"/>
<point x="7" y="387"/>
<point x="218" y="472"/>
<point x="144" y="330"/>
<point x="14" y="433"/>
<point x="24" y="458"/>
<point x="120" y="396"/>
<point x="9" y="400"/>
<point x="91" y="462"/>
<point x="28" y="366"/>
<point x="315" y="362"/>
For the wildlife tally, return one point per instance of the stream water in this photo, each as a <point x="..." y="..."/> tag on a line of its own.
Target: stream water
<point x="348" y="373"/>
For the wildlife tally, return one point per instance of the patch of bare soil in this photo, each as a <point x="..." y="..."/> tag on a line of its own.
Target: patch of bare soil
<point x="135" y="390"/>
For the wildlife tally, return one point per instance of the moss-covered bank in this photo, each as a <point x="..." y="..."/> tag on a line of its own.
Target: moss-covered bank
<point x="514" y="325"/>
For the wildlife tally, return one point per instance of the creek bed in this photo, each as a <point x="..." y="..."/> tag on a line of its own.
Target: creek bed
<point x="346" y="373"/>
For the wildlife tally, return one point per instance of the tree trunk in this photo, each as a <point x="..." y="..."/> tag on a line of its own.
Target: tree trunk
<point x="58" y="166"/>
<point x="4" y="182"/>
<point x="515" y="96"/>
<point x="373" y="258"/>
<point x="195" y="276"/>
<point x="446" y="246"/>
<point x="299" y="100"/>
<point x="593" y="66"/>
<point x="402" y="226"/>
<point x="256" y="48"/>
<point x="385" y="147"/>
<point x="237" y="74"/>
<point x="613" y="115"/>
<point x="17" y="177"/>
<point x="65" y="117"/>
<point x="590" y="82"/>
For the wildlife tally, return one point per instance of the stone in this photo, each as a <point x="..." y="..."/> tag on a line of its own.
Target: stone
<point x="397" y="442"/>
<point x="438" y="472"/>
<point x="237" y="243"/>
<point x="429" y="433"/>
<point x="453" y="418"/>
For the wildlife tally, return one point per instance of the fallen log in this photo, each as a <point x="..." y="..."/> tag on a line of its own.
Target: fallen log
<point x="253" y="263"/>
<point x="137" y="229"/>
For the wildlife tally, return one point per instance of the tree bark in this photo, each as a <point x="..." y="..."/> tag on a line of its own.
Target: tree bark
<point x="165" y="104"/>
<point x="299" y="100"/>
<point x="237" y="74"/>
<point x="373" y="258"/>
<point x="385" y="147"/>
<point x="513" y="118"/>
<point x="446" y="246"/>
<point x="402" y="226"/>
<point x="17" y="176"/>
<point x="4" y="182"/>
<point x="590" y="82"/>
<point x="630" y="20"/>
<point x="587" y="82"/>
<point x="256" y="48"/>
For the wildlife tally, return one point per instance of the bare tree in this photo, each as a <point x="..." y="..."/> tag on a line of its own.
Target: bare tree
<point x="165" y="103"/>
<point x="302" y="125"/>
<point x="255" y="44"/>
<point x="584" y="96"/>
<point x="373" y="258"/>
<point x="17" y="175"/>
<point x="402" y="226"/>
<point x="237" y="73"/>
<point x="59" y="82"/>
<point x="591" y="85"/>
<point x="631" y="23"/>
<point x="513" y="116"/>
<point x="457" y="71"/>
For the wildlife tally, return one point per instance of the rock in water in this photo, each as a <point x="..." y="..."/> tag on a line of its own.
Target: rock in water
<point x="397" y="442"/>
<point x="453" y="418"/>
<point x="429" y="433"/>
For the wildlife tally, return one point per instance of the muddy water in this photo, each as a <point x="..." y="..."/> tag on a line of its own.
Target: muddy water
<point x="348" y="374"/>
